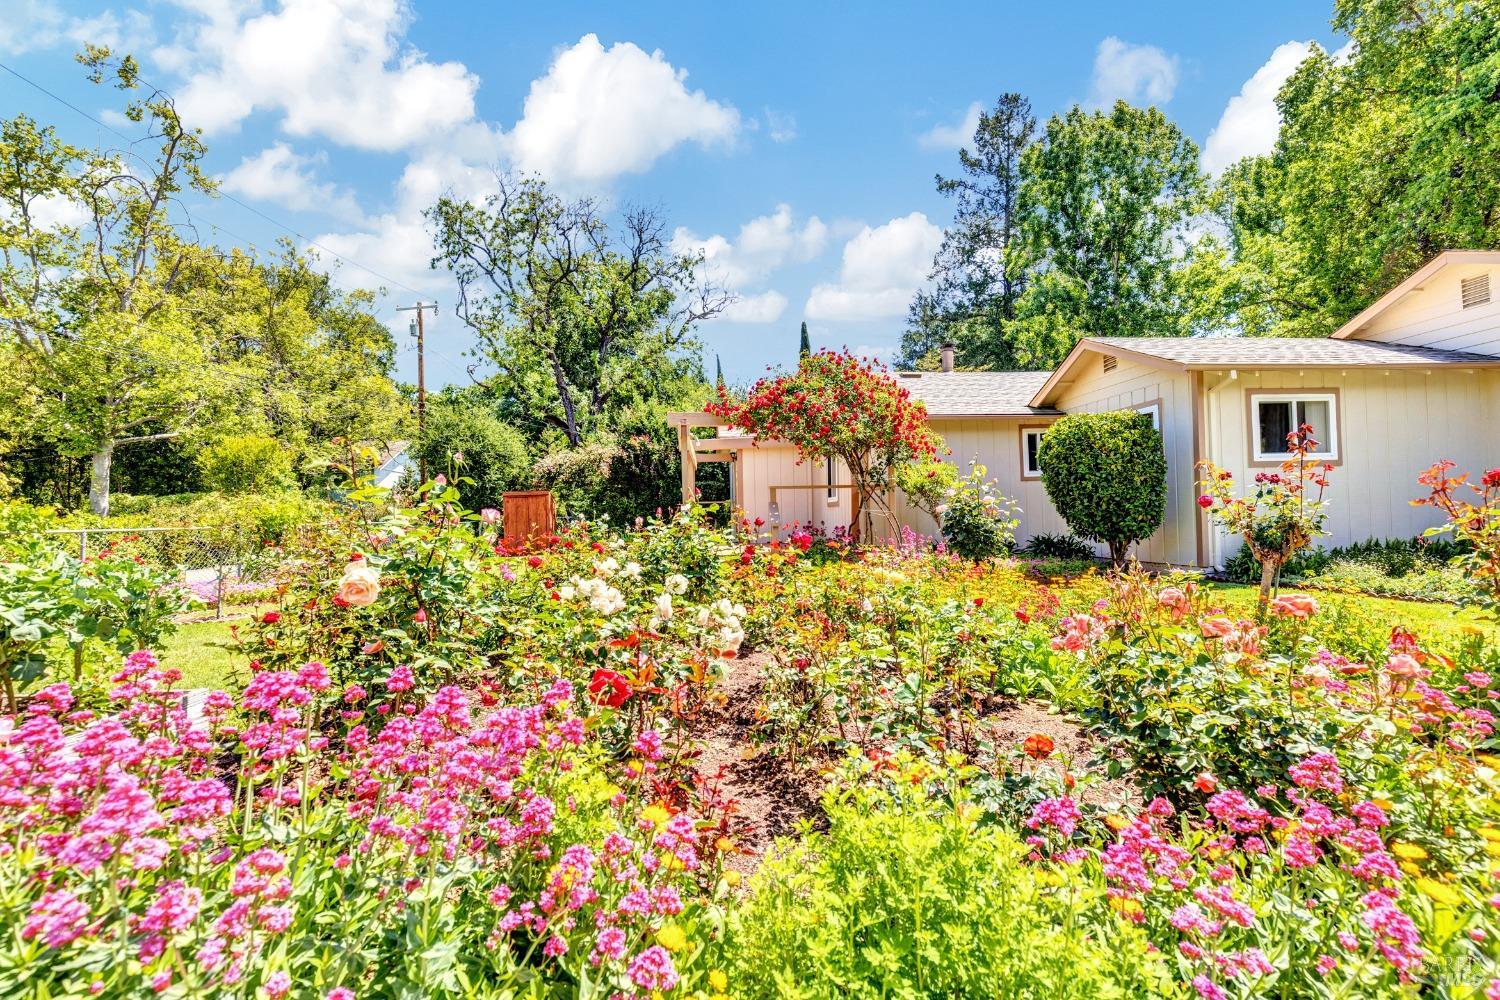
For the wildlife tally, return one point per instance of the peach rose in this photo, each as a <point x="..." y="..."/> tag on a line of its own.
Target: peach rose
<point x="1295" y="606"/>
<point x="1217" y="627"/>
<point x="360" y="584"/>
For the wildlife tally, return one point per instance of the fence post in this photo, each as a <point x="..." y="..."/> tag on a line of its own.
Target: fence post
<point x="83" y="545"/>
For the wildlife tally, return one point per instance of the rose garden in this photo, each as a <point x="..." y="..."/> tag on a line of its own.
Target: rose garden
<point x="693" y="757"/>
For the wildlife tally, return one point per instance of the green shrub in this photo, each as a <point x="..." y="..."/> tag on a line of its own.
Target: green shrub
<point x="494" y="455"/>
<point x="1106" y="474"/>
<point x="1058" y="546"/>
<point x="636" y="474"/>
<point x="905" y="896"/>
<point x="977" y="522"/>
<point x="246" y="463"/>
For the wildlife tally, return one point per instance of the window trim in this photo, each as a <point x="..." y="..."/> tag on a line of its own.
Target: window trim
<point x="830" y="481"/>
<point x="1025" y="429"/>
<point x="1153" y="407"/>
<point x="1253" y="399"/>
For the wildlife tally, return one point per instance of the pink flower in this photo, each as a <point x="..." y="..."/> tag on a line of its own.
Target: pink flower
<point x="1208" y="989"/>
<point x="1060" y="814"/>
<point x="1298" y="606"/>
<point x="400" y="679"/>
<point x="652" y="969"/>
<point x="489" y="515"/>
<point x="278" y="984"/>
<point x="1205" y="501"/>
<point x="340" y="993"/>
<point x="58" y="918"/>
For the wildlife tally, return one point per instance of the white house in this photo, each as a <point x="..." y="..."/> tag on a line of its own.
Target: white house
<point x="1410" y="380"/>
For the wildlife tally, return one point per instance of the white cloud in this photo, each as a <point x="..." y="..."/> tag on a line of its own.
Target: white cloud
<point x="954" y="136"/>
<point x="764" y="244"/>
<point x="1139" y="74"/>
<point x="764" y="307"/>
<point x="882" y="268"/>
<point x="781" y="126"/>
<point x="281" y="175"/>
<point x="884" y="354"/>
<point x="1251" y="121"/>
<point x="598" y="113"/>
<point x="32" y="25"/>
<point x="336" y="68"/>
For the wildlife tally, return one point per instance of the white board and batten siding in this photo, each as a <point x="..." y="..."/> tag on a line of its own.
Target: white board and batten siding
<point x="995" y="443"/>
<point x="1130" y="385"/>
<point x="1392" y="424"/>
<point x="1435" y="314"/>
<point x="758" y="469"/>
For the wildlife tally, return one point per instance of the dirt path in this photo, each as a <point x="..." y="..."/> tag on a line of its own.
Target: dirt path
<point x="770" y="794"/>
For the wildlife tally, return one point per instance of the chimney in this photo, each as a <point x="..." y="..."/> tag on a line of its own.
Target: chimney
<point x="947" y="351"/>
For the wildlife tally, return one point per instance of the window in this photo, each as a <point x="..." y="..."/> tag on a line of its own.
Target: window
<point x="1274" y="416"/>
<point x="1154" y="410"/>
<point x="831" y="476"/>
<point x="1031" y="439"/>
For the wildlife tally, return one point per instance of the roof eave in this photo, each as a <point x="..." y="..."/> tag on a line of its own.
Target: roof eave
<point x="1412" y="283"/>
<point x="1046" y="394"/>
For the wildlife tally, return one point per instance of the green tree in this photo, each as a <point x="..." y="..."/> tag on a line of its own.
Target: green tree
<point x="1104" y="200"/>
<point x="804" y="348"/>
<point x="1106" y="473"/>
<point x="100" y="307"/>
<point x="493" y="453"/>
<point x="245" y="463"/>
<point x="580" y="319"/>
<point x="1384" y="158"/>
<point x="981" y="268"/>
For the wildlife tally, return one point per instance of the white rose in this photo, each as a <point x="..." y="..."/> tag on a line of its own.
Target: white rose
<point x="567" y="592"/>
<point x="632" y="570"/>
<point x="360" y="584"/>
<point x="664" y="607"/>
<point x="677" y="584"/>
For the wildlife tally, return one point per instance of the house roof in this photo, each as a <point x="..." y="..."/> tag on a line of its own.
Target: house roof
<point x="1414" y="283"/>
<point x="1199" y="353"/>
<point x="976" y="394"/>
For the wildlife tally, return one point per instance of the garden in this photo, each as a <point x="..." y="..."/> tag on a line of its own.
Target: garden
<point x="694" y="757"/>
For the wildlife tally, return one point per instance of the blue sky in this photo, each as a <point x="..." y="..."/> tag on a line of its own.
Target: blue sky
<point x="795" y="143"/>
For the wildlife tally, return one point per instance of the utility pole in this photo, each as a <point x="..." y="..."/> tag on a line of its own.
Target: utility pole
<point x="418" y="331"/>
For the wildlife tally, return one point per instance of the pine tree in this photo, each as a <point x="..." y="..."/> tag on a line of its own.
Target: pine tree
<point x="806" y="347"/>
<point x="718" y="372"/>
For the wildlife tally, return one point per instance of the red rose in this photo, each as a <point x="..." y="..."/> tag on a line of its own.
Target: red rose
<point x="609" y="688"/>
<point x="1038" y="746"/>
<point x="270" y="617"/>
<point x="1205" y="501"/>
<point x="535" y="562"/>
<point x="978" y="602"/>
<point x="1205" y="782"/>
<point x="420" y="616"/>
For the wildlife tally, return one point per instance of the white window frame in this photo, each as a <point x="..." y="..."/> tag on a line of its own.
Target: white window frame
<point x="831" y="478"/>
<point x="1027" y="472"/>
<point x="1330" y="448"/>
<point x="1154" y="409"/>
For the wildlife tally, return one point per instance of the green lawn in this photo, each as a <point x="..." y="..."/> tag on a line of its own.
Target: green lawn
<point x="1423" y="617"/>
<point x="205" y="653"/>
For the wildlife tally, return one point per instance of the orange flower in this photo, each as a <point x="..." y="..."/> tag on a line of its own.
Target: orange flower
<point x="1038" y="746"/>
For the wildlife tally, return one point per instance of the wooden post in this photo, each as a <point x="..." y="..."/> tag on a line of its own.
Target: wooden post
<point x="689" y="464"/>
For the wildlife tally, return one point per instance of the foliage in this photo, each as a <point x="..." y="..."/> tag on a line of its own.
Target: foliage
<point x="981" y="268"/>
<point x="581" y="321"/>
<point x="1473" y="520"/>
<point x="1106" y="473"/>
<point x="245" y="463"/>
<point x="466" y="438"/>
<point x="1282" y="517"/>
<point x="836" y="405"/>
<point x="1388" y="152"/>
<point x="1103" y="198"/>
<point x="1044" y="545"/>
<point x="978" y="523"/>
<point x="959" y="912"/>
<point x="926" y="484"/>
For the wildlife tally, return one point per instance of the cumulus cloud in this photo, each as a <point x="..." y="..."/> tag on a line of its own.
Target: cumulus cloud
<point x="334" y="68"/>
<point x="1139" y="74"/>
<point x="599" y="112"/>
<point x="955" y="135"/>
<point x="781" y="126"/>
<point x="34" y="25"/>
<point x="763" y="307"/>
<point x="1251" y="121"/>
<point x="763" y="245"/>
<point x="281" y="175"/>
<point x="882" y="268"/>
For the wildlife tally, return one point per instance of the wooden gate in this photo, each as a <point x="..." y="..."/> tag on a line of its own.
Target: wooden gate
<point x="528" y="513"/>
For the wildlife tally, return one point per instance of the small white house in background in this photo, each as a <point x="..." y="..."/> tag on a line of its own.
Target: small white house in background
<point x="394" y="463"/>
<point x="1412" y="379"/>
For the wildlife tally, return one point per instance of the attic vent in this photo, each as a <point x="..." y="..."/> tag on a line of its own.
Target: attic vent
<point x="1475" y="290"/>
<point x="1110" y="361"/>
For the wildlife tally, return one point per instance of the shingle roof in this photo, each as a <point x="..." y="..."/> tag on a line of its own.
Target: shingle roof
<point x="1275" y="351"/>
<point x="976" y="394"/>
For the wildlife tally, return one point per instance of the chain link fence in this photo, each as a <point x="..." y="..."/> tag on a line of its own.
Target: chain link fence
<point x="216" y="564"/>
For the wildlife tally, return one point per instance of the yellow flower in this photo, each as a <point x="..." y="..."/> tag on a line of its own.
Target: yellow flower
<point x="1438" y="892"/>
<point x="1126" y="907"/>
<point x="1492" y="848"/>
<point x="1489" y="833"/>
<point x="1409" y="868"/>
<point x="731" y="878"/>
<point x="1386" y="805"/>
<point x="723" y="845"/>
<point x="672" y="938"/>
<point x="718" y="980"/>
<point x="656" y="814"/>
<point x="1408" y="852"/>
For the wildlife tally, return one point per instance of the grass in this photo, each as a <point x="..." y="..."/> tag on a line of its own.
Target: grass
<point x="204" y="652"/>
<point x="1432" y="618"/>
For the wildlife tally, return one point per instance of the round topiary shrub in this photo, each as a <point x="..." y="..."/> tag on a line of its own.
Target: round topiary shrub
<point x="1106" y="474"/>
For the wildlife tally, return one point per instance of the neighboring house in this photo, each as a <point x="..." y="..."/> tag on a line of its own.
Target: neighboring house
<point x="1410" y="380"/>
<point x="394" y="463"/>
